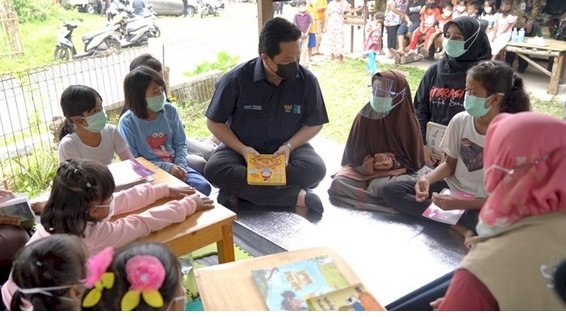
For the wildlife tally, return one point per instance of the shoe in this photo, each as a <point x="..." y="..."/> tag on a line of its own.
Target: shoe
<point x="312" y="201"/>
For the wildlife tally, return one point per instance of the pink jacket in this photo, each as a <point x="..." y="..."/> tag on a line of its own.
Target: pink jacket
<point x="99" y="235"/>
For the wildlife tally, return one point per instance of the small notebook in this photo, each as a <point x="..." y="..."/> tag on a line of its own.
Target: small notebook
<point x="266" y="170"/>
<point x="129" y="173"/>
<point x="450" y="217"/>
<point x="434" y="135"/>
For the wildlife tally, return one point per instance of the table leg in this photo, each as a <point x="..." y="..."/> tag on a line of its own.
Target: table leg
<point x="556" y="74"/>
<point x="226" y="245"/>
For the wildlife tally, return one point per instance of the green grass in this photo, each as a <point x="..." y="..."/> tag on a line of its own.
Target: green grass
<point x="39" y="39"/>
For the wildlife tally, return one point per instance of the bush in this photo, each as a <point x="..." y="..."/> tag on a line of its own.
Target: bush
<point x="35" y="173"/>
<point x="224" y="63"/>
<point x="33" y="10"/>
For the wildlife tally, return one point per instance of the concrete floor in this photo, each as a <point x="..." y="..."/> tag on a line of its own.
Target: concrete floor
<point x="392" y="254"/>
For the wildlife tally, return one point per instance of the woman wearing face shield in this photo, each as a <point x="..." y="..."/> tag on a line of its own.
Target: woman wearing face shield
<point x="521" y="225"/>
<point x="384" y="145"/>
<point x="441" y="92"/>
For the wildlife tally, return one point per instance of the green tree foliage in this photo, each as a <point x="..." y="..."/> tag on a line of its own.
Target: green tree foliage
<point x="33" y="10"/>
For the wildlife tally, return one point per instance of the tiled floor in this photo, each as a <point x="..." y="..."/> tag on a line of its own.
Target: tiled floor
<point x="391" y="253"/>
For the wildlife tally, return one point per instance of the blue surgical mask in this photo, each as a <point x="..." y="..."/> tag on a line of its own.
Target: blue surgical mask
<point x="96" y="122"/>
<point x="381" y="104"/>
<point x="475" y="106"/>
<point x="156" y="103"/>
<point x="456" y="48"/>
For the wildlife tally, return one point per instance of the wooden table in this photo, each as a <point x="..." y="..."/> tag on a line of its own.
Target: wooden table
<point x="230" y="286"/>
<point x="553" y="49"/>
<point x="198" y="230"/>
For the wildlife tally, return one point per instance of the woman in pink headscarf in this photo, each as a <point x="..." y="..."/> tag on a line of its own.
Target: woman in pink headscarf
<point x="522" y="225"/>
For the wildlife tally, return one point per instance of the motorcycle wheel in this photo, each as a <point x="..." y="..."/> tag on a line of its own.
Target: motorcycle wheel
<point x="62" y="53"/>
<point x="156" y="32"/>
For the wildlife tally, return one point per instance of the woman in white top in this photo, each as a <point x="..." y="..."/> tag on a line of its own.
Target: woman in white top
<point x="85" y="133"/>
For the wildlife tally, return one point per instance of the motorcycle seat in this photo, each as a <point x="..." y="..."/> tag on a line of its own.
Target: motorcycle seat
<point x="89" y="36"/>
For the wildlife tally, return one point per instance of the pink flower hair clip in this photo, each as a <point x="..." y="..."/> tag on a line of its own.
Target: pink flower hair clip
<point x="97" y="278"/>
<point x="146" y="275"/>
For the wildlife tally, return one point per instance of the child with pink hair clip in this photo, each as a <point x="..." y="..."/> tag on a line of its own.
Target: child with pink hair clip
<point x="144" y="276"/>
<point x="83" y="201"/>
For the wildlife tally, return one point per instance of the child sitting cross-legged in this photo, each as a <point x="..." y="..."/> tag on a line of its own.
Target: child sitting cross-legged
<point x="138" y="277"/>
<point x="82" y="202"/>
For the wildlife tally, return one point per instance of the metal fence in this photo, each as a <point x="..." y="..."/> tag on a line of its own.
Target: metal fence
<point x="30" y="112"/>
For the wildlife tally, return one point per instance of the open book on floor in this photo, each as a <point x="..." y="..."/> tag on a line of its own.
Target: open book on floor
<point x="290" y="286"/>
<point x="20" y="208"/>
<point x="129" y="173"/>
<point x="450" y="217"/>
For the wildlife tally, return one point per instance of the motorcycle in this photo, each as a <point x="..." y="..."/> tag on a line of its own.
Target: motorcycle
<point x="211" y="7"/>
<point x="96" y="43"/>
<point x="134" y="30"/>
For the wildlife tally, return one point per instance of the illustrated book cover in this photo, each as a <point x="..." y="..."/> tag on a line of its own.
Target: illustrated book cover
<point x="450" y="217"/>
<point x="129" y="173"/>
<point x="287" y="287"/>
<point x="266" y="170"/>
<point x="19" y="207"/>
<point x="351" y="298"/>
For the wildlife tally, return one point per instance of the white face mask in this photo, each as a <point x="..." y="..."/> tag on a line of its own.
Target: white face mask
<point x="487" y="10"/>
<point x="178" y="298"/>
<point x="110" y="207"/>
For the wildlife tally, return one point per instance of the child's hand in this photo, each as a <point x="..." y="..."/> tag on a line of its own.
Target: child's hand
<point x="203" y="202"/>
<point x="178" y="172"/>
<point x="446" y="202"/>
<point x="9" y="220"/>
<point x="421" y="189"/>
<point x="180" y="192"/>
<point x="436" y="303"/>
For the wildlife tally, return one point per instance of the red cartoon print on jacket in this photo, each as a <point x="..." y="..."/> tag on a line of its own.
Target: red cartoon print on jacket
<point x="157" y="141"/>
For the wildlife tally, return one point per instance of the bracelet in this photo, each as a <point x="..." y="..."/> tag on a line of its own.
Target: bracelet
<point x="287" y="144"/>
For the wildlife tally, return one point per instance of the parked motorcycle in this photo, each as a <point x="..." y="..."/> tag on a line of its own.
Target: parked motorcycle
<point x="134" y="30"/>
<point x="96" y="43"/>
<point x="211" y="7"/>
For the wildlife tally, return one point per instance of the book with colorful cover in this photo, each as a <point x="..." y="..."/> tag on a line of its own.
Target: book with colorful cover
<point x="129" y="173"/>
<point x="266" y="170"/>
<point x="351" y="298"/>
<point x="450" y="217"/>
<point x="287" y="287"/>
<point x="19" y="207"/>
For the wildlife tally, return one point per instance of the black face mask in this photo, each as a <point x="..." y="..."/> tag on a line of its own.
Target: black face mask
<point x="287" y="71"/>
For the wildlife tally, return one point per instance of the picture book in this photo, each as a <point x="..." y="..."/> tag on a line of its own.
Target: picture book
<point x="266" y="170"/>
<point x="450" y="217"/>
<point x="351" y="298"/>
<point x="434" y="134"/>
<point x="129" y="173"/>
<point x="288" y="286"/>
<point x="19" y="207"/>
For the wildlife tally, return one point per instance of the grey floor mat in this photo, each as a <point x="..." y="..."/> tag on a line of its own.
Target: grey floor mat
<point x="392" y="254"/>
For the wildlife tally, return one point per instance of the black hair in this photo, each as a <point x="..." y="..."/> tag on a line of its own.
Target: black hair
<point x="143" y="60"/>
<point x="146" y="60"/>
<point x="78" y="186"/>
<point x="135" y="86"/>
<point x="301" y="2"/>
<point x="449" y="5"/>
<point x="57" y="260"/>
<point x="491" y="3"/>
<point x="379" y="16"/>
<point x="498" y="77"/>
<point x="76" y="100"/>
<point x="111" y="299"/>
<point x="560" y="280"/>
<point x="274" y="32"/>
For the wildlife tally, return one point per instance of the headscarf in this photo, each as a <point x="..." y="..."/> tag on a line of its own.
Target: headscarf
<point x="397" y="133"/>
<point x="476" y="50"/>
<point x="533" y="146"/>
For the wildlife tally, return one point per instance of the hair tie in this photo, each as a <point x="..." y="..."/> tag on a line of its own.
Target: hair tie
<point x="88" y="185"/>
<point x="97" y="277"/>
<point x="39" y="264"/>
<point x="146" y="275"/>
<point x="75" y="170"/>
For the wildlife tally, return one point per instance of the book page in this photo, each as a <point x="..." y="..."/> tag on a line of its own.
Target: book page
<point x="129" y="173"/>
<point x="434" y="135"/>
<point x="450" y="217"/>
<point x="266" y="170"/>
<point x="351" y="298"/>
<point x="19" y="207"/>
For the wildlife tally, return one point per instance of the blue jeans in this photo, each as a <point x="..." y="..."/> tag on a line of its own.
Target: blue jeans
<point x="196" y="180"/>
